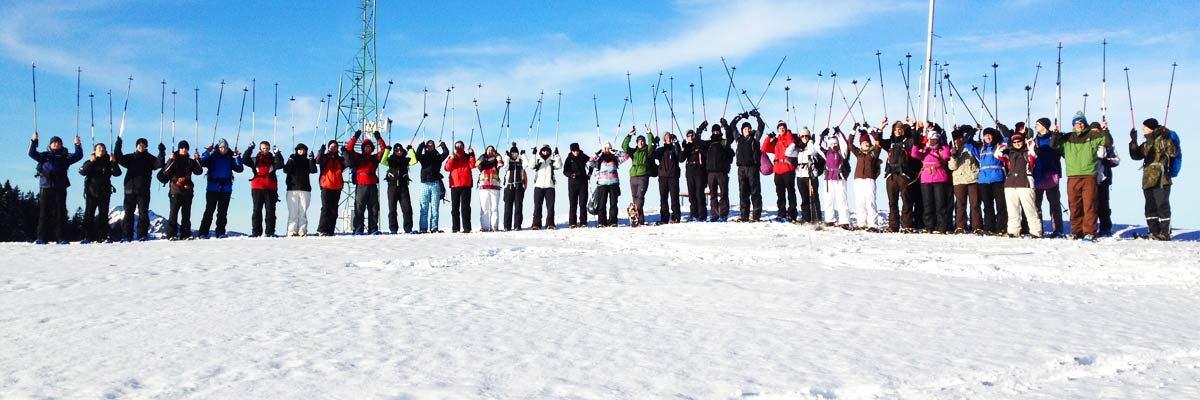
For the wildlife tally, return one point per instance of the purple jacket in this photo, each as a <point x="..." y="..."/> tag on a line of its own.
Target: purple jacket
<point x="933" y="163"/>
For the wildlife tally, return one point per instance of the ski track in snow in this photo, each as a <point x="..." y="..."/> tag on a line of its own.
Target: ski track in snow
<point x="684" y="311"/>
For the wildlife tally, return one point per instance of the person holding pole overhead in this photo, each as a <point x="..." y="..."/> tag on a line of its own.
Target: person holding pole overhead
<point x="52" y="168"/>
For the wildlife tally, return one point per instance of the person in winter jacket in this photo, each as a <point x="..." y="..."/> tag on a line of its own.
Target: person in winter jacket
<point x="749" y="162"/>
<point x="364" y="170"/>
<point x="809" y="161"/>
<point x="433" y="190"/>
<point x="608" y="184"/>
<point x="900" y="176"/>
<point x="668" y="156"/>
<point x="515" y="181"/>
<point x="1104" y="175"/>
<point x="964" y="168"/>
<point x="543" y="164"/>
<point x="138" y="168"/>
<point x="577" y="172"/>
<point x="935" y="180"/>
<point x="719" y="155"/>
<point x="866" y="171"/>
<point x="459" y="166"/>
<point x="697" y="176"/>
<point x="331" y="178"/>
<point x="991" y="179"/>
<point x="836" y="156"/>
<point x="264" y="186"/>
<point x="296" y="171"/>
<point x="1019" y="157"/>
<point x="52" y="168"/>
<point x="1082" y="148"/>
<point x="179" y="169"/>
<point x="489" y="189"/>
<point x="221" y="165"/>
<point x="1047" y="171"/>
<point x="782" y="148"/>
<point x="97" y="191"/>
<point x="1158" y="154"/>
<point x="642" y="167"/>
<point x="397" y="160"/>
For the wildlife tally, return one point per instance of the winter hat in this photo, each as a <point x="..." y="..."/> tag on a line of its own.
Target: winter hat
<point x="398" y="147"/>
<point x="640" y="138"/>
<point x="991" y="132"/>
<point x="783" y="124"/>
<point x="367" y="142"/>
<point x="608" y="145"/>
<point x="222" y="143"/>
<point x="864" y="138"/>
<point x="301" y="146"/>
<point x="1044" y="122"/>
<point x="575" y="147"/>
<point x="1017" y="137"/>
<point x="745" y="125"/>
<point x="183" y="144"/>
<point x="545" y="147"/>
<point x="333" y="142"/>
<point x="804" y="132"/>
<point x="55" y="139"/>
<point x="1079" y="119"/>
<point x="1094" y="125"/>
<point x="932" y="136"/>
<point x="1151" y="123"/>
<point x="139" y="142"/>
<point x="514" y="150"/>
<point x="1019" y="125"/>
<point x="716" y="128"/>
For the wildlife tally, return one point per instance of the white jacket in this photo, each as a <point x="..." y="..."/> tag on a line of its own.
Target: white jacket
<point x="543" y="170"/>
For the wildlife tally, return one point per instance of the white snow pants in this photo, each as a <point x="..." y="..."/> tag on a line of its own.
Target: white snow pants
<point x="835" y="200"/>
<point x="489" y="209"/>
<point x="864" y="202"/>
<point x="1021" y="200"/>
<point x="297" y="202"/>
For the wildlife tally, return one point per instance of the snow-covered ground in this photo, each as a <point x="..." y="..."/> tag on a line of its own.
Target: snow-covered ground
<point x="684" y="311"/>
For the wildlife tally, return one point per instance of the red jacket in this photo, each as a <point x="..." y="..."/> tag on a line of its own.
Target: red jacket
<point x="331" y="170"/>
<point x="365" y="167"/>
<point x="460" y="165"/>
<point x="263" y="166"/>
<point x="778" y="149"/>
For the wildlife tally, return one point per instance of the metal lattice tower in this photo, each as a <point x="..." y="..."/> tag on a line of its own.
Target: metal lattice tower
<point x="358" y="95"/>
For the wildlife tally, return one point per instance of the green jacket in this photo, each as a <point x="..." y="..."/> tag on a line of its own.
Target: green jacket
<point x="1079" y="149"/>
<point x="1157" y="152"/>
<point x="640" y="157"/>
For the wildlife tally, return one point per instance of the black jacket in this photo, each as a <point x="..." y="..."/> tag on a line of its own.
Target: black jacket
<point x="749" y="152"/>
<point x="180" y="170"/>
<point x="98" y="175"/>
<point x="139" y="167"/>
<point x="668" y="156"/>
<point x="718" y="155"/>
<point x="397" y="172"/>
<point x="576" y="167"/>
<point x="431" y="163"/>
<point x="297" y="171"/>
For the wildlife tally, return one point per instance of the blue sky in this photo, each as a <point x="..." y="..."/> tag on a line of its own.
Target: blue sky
<point x="582" y="49"/>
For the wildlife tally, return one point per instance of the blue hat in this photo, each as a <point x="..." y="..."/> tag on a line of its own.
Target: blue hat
<point x="1079" y="119"/>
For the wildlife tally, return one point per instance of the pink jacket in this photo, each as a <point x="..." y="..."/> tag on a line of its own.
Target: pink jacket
<point x="933" y="163"/>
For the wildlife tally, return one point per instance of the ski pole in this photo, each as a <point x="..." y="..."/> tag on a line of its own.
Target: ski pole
<point x="237" y="139"/>
<point x="291" y="118"/>
<point x="1104" y="81"/>
<point x="882" y="92"/>
<point x="816" y="98"/>
<point x="850" y="107"/>
<point x="217" y="119"/>
<point x="445" y="109"/>
<point x="1129" y="91"/>
<point x="1170" y="90"/>
<point x="35" y="114"/>
<point x="996" y="89"/>
<point x="982" y="103"/>
<point x="162" y="109"/>
<point x="78" y="78"/>
<point x="253" y="108"/>
<point x="703" y="105"/>
<point x="764" y="93"/>
<point x="960" y="98"/>
<point x="128" y="87"/>
<point x="173" y="105"/>
<point x="596" y="110"/>
<point x="92" y="108"/>
<point x="1058" y="88"/>
<point x="632" y="110"/>
<point x="424" y="115"/>
<point x="557" y="118"/>
<point x="274" y="118"/>
<point x="832" y="87"/>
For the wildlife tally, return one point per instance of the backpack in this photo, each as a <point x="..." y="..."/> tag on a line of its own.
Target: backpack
<point x="819" y="164"/>
<point x="1177" y="162"/>
<point x="162" y="175"/>
<point x="764" y="165"/>
<point x="844" y="170"/>
<point x="651" y="164"/>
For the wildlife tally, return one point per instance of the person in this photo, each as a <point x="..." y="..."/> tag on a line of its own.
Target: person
<point x="53" y="181"/>
<point x="221" y="165"/>
<point x="991" y="185"/>
<point x="964" y="168"/>
<point x="489" y="189"/>
<point x="432" y="189"/>
<point x="1019" y="158"/>
<point x="837" y="166"/>
<point x="809" y="166"/>
<point x="1158" y="155"/>
<point x="900" y="174"/>
<point x="461" y="179"/>
<point x="138" y="167"/>
<point x="719" y="154"/>
<point x="1047" y="172"/>
<point x="515" y="182"/>
<point x="781" y="145"/>
<point x="264" y="186"/>
<point x="179" y="170"/>
<point x="296" y="170"/>
<point x="543" y="165"/>
<point x="668" y="156"/>
<point x="1104" y="175"/>
<point x="332" y="181"/>
<point x="749" y="161"/>
<point x="578" y="174"/>
<point x="397" y="160"/>
<point x="866" y="171"/>
<point x="697" y="175"/>
<point x="97" y="191"/>
<point x="608" y="184"/>
<point x="364" y="170"/>
<point x="1082" y="147"/>
<point x="934" y="180"/>
<point x="642" y="167"/>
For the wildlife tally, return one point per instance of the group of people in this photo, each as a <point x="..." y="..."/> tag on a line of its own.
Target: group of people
<point x="936" y="181"/>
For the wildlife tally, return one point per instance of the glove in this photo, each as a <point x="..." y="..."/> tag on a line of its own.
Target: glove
<point x="522" y="152"/>
<point x="771" y="135"/>
<point x="724" y="121"/>
<point x="744" y="115"/>
<point x="556" y="151"/>
<point x="1133" y="134"/>
<point x="1101" y="152"/>
<point x="162" y="148"/>
<point x="825" y="132"/>
<point x="357" y="133"/>
<point x="837" y="129"/>
<point x="754" y="112"/>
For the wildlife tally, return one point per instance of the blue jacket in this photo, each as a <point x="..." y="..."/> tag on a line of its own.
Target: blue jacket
<point x="991" y="169"/>
<point x="220" y="170"/>
<point x="1048" y="161"/>
<point x="53" y="165"/>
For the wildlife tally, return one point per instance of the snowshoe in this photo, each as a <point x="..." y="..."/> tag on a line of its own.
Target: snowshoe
<point x="1088" y="238"/>
<point x="85" y="241"/>
<point x="63" y="242"/>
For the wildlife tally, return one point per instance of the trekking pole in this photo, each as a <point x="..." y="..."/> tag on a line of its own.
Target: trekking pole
<point x="1058" y="88"/>
<point x="596" y="110"/>
<point x="982" y="103"/>
<point x="1170" y="90"/>
<point x="274" y="117"/>
<point x="110" y="118"/>
<point x="162" y="109"/>
<point x="1104" y="81"/>
<point x="832" y="87"/>
<point x="671" y="100"/>
<point x="882" y="92"/>
<point x="121" y="132"/>
<point x="850" y="107"/>
<point x="35" y="114"/>
<point x="764" y="93"/>
<point x="253" y="108"/>
<point x="703" y="106"/>
<point x="292" y="118"/>
<point x="317" y="126"/>
<point x="960" y="98"/>
<point x="503" y="120"/>
<point x="692" y="86"/>
<point x="816" y="98"/>
<point x="92" y="108"/>
<point x="78" y="78"/>
<point x="908" y="84"/>
<point x="173" y="105"/>
<point x="424" y="115"/>
<point x="1129" y="91"/>
<point x="217" y="119"/>
<point x="654" y="100"/>
<point x="557" y="118"/>
<point x="328" y="105"/>
<point x="537" y="116"/>
<point x="996" y="89"/>
<point x="445" y="108"/>
<point x="237" y="139"/>
<point x="632" y="110"/>
<point x="196" y="117"/>
<point x="1085" y="96"/>
<point x="860" y="109"/>
<point x="671" y="107"/>
<point x="847" y="102"/>
<point x="478" y="121"/>
<point x="787" y="98"/>
<point x="728" y="89"/>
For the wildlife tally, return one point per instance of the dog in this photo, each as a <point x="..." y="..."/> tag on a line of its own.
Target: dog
<point x="635" y="215"/>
